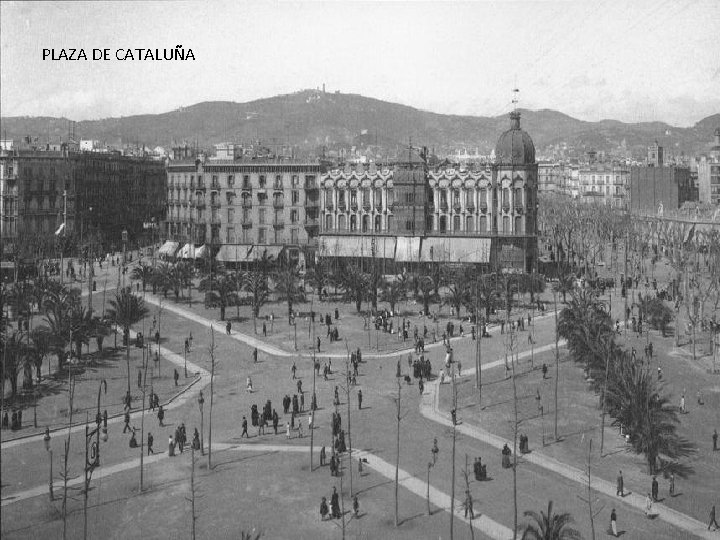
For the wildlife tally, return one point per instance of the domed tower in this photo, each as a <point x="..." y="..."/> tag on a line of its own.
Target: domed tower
<point x="514" y="202"/>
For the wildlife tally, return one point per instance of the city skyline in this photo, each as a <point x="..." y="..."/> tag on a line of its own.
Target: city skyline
<point x="590" y="62"/>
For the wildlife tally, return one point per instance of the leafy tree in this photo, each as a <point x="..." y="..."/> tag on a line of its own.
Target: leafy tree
<point x="354" y="284"/>
<point x="319" y="276"/>
<point x="458" y="290"/>
<point x="482" y="291"/>
<point x="161" y="278"/>
<point x="549" y="526"/>
<point x="42" y="346"/>
<point x="425" y="287"/>
<point x="656" y="313"/>
<point x="126" y="310"/>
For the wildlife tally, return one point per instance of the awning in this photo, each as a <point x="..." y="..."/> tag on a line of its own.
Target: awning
<point x="407" y="249"/>
<point x="456" y="250"/>
<point x="186" y="252"/>
<point x="168" y="248"/>
<point x="235" y="253"/>
<point x="200" y="252"/>
<point x="270" y="251"/>
<point x="357" y="246"/>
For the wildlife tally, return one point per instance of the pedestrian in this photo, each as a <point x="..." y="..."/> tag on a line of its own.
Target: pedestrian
<point x="468" y="504"/>
<point x="700" y="398"/>
<point x="359" y="395"/>
<point x="356" y="506"/>
<point x="171" y="446"/>
<point x="434" y="450"/>
<point x="275" y="420"/>
<point x="264" y="330"/>
<point x="654" y="488"/>
<point x="672" y="484"/>
<point x="299" y="386"/>
<point x="459" y="365"/>
<point x="318" y="343"/>
<point x="255" y="354"/>
<point x="712" y="519"/>
<point x="176" y="376"/>
<point x="322" y="456"/>
<point x="150" y="440"/>
<point x="715" y="439"/>
<point x="287" y="430"/>
<point x="228" y="328"/>
<point x="248" y="385"/>
<point x="244" y="428"/>
<point x="196" y="440"/>
<point x="620" y="485"/>
<point x="682" y="404"/>
<point x="544" y="371"/>
<point x="648" y="505"/>
<point x="300" y="430"/>
<point x="323" y="509"/>
<point x="302" y="401"/>
<point x="127" y="422"/>
<point x="613" y="522"/>
<point x="421" y="386"/>
<point x="293" y="369"/>
<point x="335" y="500"/>
<point x="310" y="422"/>
<point x="191" y="339"/>
<point x="161" y="415"/>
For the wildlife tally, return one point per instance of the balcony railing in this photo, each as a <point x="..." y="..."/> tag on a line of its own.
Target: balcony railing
<point x="367" y="206"/>
<point x="215" y="204"/>
<point x="354" y="206"/>
<point x="215" y="185"/>
<point x="470" y="207"/>
<point x="378" y="206"/>
<point x="200" y="205"/>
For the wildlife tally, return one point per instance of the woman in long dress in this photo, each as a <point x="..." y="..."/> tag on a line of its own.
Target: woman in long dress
<point x="171" y="446"/>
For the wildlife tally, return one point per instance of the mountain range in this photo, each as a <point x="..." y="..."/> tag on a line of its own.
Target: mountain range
<point x="312" y="119"/>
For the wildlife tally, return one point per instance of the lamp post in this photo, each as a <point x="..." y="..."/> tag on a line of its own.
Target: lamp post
<point x="430" y="464"/>
<point x="185" y="349"/>
<point x="48" y="448"/>
<point x="201" y="402"/>
<point x="98" y="418"/>
<point x="124" y="242"/>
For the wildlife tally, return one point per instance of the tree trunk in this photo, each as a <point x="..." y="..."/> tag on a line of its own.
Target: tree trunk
<point x="222" y="313"/>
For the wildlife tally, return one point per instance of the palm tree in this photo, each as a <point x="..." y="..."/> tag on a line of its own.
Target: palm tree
<point x="42" y="342"/>
<point x="458" y="290"/>
<point x="15" y="357"/>
<point x="319" y="276"/>
<point x="651" y="423"/>
<point x="288" y="286"/>
<point x="126" y="310"/>
<point x="425" y="291"/>
<point x="143" y="273"/>
<point x="81" y="326"/>
<point x="256" y="284"/>
<point x="394" y="290"/>
<point x="162" y="278"/>
<point x="221" y="290"/>
<point x="549" y="526"/>
<point x="58" y="305"/>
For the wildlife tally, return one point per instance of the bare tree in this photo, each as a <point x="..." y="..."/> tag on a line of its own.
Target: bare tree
<point x="212" y="379"/>
<point x="397" y="455"/>
<point x="193" y="493"/>
<point x="468" y="498"/>
<point x="66" y="471"/>
<point x="589" y="499"/>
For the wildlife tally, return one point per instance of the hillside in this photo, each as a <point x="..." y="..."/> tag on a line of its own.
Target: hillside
<point x="311" y="119"/>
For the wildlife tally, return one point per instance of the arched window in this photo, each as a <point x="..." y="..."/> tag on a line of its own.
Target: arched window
<point x="378" y="198"/>
<point x="518" y="197"/>
<point x="483" y="224"/>
<point x="378" y="223"/>
<point x="353" y="222"/>
<point x="483" y="197"/>
<point x="429" y="223"/>
<point x="341" y="222"/>
<point x="469" y="224"/>
<point x="518" y="225"/>
<point x="456" y="223"/>
<point x="329" y="222"/>
<point x="506" y="224"/>
<point x="365" y="223"/>
<point x="443" y="223"/>
<point x="506" y="197"/>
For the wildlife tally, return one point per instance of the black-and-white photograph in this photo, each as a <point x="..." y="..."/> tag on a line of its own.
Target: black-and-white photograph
<point x="277" y="270"/>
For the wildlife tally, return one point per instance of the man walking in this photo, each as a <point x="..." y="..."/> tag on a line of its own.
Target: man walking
<point x="359" y="399"/>
<point x="293" y="369"/>
<point x="613" y="522"/>
<point x="127" y="422"/>
<point x="620" y="486"/>
<point x="161" y="415"/>
<point x="244" y="428"/>
<point x="176" y="376"/>
<point x="149" y="444"/>
<point x="654" y="489"/>
<point x="712" y="519"/>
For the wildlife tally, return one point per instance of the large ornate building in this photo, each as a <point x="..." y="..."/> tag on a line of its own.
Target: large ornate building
<point x="412" y="215"/>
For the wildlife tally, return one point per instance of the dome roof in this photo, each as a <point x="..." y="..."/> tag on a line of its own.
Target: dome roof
<point x="515" y="147"/>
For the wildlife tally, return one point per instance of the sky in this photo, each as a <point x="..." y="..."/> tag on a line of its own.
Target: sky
<point x="592" y="59"/>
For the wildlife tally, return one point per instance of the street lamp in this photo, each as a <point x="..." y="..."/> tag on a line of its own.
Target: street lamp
<point x="430" y="465"/>
<point x="101" y="433"/>
<point x="48" y="448"/>
<point x="201" y="402"/>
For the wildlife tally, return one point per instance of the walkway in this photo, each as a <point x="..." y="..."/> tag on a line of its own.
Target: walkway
<point x="429" y="407"/>
<point x="202" y="379"/>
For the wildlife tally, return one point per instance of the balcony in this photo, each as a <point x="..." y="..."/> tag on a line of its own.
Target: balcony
<point x="200" y="187"/>
<point x="278" y="203"/>
<point x="215" y="185"/>
<point x="470" y="207"/>
<point x="247" y="224"/>
<point x="457" y="207"/>
<point x="215" y="220"/>
<point x="278" y="224"/>
<point x="342" y="206"/>
<point x="215" y="204"/>
<point x="354" y="206"/>
<point x="312" y="203"/>
<point x="329" y="207"/>
<point x="378" y="207"/>
<point x="443" y="206"/>
<point x="200" y="205"/>
<point x="506" y="207"/>
<point x="519" y="208"/>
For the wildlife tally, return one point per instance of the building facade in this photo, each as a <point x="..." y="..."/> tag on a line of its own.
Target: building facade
<point x="95" y="195"/>
<point x="652" y="186"/>
<point x="708" y="173"/>
<point x="410" y="214"/>
<point x="604" y="184"/>
<point x="243" y="206"/>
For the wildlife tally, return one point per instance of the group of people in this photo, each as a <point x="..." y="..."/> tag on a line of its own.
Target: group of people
<point x="14" y="422"/>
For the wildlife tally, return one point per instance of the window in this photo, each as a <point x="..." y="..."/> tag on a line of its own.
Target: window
<point x="483" y="197"/>
<point x="261" y="216"/>
<point x="230" y="180"/>
<point x="293" y="216"/>
<point x="261" y="181"/>
<point x="378" y="223"/>
<point x="293" y="236"/>
<point x="262" y="199"/>
<point x="365" y="223"/>
<point x="443" y="223"/>
<point x="295" y="180"/>
<point x="230" y="235"/>
<point x="518" y="197"/>
<point x="506" y="224"/>
<point x="278" y="182"/>
<point x="410" y="198"/>
<point x="483" y="224"/>
<point x="341" y="222"/>
<point x="469" y="224"/>
<point x="261" y="236"/>
<point x="246" y="181"/>
<point x="518" y="225"/>
<point x="231" y="215"/>
<point x="295" y="198"/>
<point x="390" y="194"/>
<point x="353" y="222"/>
<point x="353" y="197"/>
<point x="456" y="197"/>
<point x="278" y="216"/>
<point x="456" y="223"/>
<point x="328" y="222"/>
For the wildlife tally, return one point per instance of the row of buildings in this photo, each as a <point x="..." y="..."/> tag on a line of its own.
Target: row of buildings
<point x="243" y="203"/>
